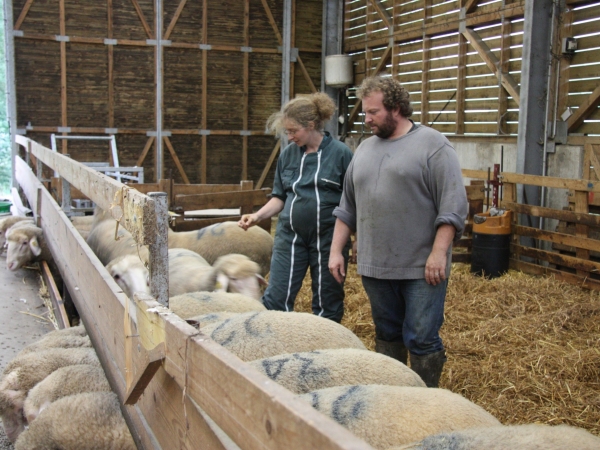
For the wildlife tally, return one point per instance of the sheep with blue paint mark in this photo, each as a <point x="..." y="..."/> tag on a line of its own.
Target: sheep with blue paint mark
<point x="309" y="371"/>
<point x="225" y="238"/>
<point x="521" y="437"/>
<point x="263" y="334"/>
<point x="388" y="416"/>
<point x="199" y="303"/>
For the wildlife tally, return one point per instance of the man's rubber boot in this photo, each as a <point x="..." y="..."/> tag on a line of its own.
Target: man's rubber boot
<point x="395" y="350"/>
<point x="429" y="367"/>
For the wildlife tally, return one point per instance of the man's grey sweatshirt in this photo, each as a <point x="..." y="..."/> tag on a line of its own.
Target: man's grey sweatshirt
<point x="396" y="194"/>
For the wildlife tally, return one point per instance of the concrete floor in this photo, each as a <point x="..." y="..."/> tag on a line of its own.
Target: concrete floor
<point x="20" y="295"/>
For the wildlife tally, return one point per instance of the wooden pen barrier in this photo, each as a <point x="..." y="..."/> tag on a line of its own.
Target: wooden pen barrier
<point x="178" y="388"/>
<point x="578" y="267"/>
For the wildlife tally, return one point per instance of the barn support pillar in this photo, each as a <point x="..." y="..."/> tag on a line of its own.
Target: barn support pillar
<point x="286" y="58"/>
<point x="333" y="29"/>
<point x="158" y="23"/>
<point x="537" y="46"/>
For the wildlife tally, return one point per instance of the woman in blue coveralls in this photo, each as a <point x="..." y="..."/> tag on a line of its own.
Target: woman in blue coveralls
<point x="307" y="187"/>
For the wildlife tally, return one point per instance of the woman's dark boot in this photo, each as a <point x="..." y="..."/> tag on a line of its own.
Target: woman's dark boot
<point x="429" y="367"/>
<point x="395" y="350"/>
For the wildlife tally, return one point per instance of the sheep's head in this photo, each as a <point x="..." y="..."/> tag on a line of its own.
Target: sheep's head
<point x="11" y="406"/>
<point x="23" y="246"/>
<point x="130" y="274"/>
<point x="238" y="273"/>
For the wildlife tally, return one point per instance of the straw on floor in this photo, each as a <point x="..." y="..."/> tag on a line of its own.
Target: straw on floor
<point x="525" y="348"/>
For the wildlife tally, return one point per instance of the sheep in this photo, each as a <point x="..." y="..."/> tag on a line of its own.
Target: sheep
<point x="57" y="341"/>
<point x="388" y="416"/>
<point x="101" y="240"/>
<point x="92" y="421"/>
<point x="225" y="238"/>
<point x="305" y="372"/>
<point x="522" y="437"/>
<point x="24" y="372"/>
<point x="206" y="319"/>
<point x="68" y="380"/>
<point x="9" y="222"/>
<point x="25" y="244"/>
<point x="83" y="224"/>
<point x="262" y="334"/>
<point x="198" y="303"/>
<point x="189" y="272"/>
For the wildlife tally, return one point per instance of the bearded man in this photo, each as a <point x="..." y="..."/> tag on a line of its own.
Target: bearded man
<point x="405" y="199"/>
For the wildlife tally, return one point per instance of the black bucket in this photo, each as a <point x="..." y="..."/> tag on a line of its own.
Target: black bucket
<point x="490" y="254"/>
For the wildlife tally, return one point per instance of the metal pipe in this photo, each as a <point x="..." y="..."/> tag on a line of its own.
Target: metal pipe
<point x="547" y="112"/>
<point x="286" y="58"/>
<point x="158" y="6"/>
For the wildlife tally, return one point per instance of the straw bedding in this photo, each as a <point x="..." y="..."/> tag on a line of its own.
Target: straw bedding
<point x="527" y="349"/>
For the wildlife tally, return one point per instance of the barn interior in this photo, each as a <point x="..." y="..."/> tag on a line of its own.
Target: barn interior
<point x="181" y="92"/>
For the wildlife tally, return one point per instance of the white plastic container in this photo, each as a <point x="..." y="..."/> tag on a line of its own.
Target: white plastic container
<point x="338" y="71"/>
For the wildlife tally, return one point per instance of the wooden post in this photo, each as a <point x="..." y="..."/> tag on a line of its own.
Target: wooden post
<point x="66" y="196"/>
<point x="246" y="185"/>
<point x="159" y="256"/>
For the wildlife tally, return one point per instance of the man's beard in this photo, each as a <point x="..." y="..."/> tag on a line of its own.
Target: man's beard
<point x="388" y="127"/>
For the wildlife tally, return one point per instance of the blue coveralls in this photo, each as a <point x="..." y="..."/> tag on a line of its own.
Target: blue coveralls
<point x="310" y="185"/>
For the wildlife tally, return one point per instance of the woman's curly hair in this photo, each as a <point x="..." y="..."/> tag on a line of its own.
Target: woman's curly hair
<point x="316" y="108"/>
<point x="394" y="95"/>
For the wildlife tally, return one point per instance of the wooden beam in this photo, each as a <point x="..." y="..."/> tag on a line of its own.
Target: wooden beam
<point x="23" y="14"/>
<point x="174" y="20"/>
<point x="110" y="68"/>
<point x="470" y="6"/>
<point x="461" y="80"/>
<point x="268" y="165"/>
<point x="552" y="182"/>
<point x="233" y="199"/>
<point x="387" y="54"/>
<point x="382" y="12"/>
<point x="204" y="106"/>
<point x="140" y="14"/>
<point x="534" y="269"/>
<point x="504" y="68"/>
<point x="425" y="81"/>
<point x="306" y="75"/>
<point x="416" y="32"/>
<point x="63" y="73"/>
<point x="558" y="238"/>
<point x="566" y="216"/>
<point x="145" y="151"/>
<point x="589" y="105"/>
<point x="493" y="63"/>
<point x="176" y="159"/>
<point x="246" y="89"/>
<point x="272" y="21"/>
<point x="58" y="304"/>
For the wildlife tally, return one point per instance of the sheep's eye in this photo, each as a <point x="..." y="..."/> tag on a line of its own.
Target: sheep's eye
<point x="116" y="277"/>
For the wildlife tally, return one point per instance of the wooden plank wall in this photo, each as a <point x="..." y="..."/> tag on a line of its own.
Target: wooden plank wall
<point x="88" y="67"/>
<point x="451" y="72"/>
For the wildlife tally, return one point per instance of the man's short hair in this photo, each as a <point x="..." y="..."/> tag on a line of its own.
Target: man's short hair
<point x="394" y="95"/>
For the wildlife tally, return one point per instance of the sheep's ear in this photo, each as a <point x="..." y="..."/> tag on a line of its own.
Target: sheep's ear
<point x="35" y="246"/>
<point x="261" y="280"/>
<point x="222" y="283"/>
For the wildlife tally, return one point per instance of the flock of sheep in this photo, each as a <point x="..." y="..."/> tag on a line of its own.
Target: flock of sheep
<point x="214" y="282"/>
